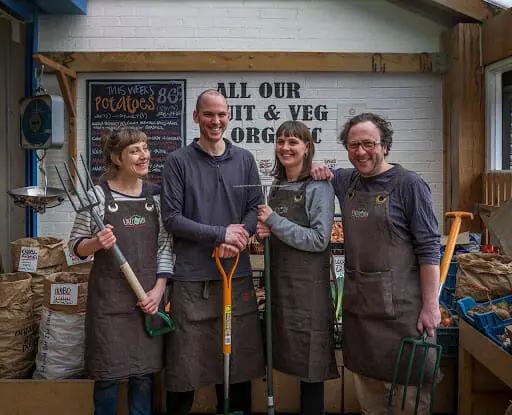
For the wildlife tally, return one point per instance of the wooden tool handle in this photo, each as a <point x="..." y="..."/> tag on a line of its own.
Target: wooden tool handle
<point x="452" y="239"/>
<point x="133" y="281"/>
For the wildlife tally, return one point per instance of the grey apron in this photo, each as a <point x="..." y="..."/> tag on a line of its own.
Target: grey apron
<point x="382" y="295"/>
<point x="117" y="344"/>
<point x="194" y="351"/>
<point x="302" y="306"/>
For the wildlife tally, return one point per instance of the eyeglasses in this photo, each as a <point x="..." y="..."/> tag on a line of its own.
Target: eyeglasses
<point x="366" y="144"/>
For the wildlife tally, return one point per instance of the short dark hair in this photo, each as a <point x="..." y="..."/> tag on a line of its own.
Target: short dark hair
<point x="384" y="126"/>
<point x="207" y="92"/>
<point x="301" y="131"/>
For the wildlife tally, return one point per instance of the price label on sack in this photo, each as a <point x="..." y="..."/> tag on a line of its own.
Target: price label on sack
<point x="339" y="266"/>
<point x="28" y="259"/>
<point x="64" y="294"/>
<point x="73" y="259"/>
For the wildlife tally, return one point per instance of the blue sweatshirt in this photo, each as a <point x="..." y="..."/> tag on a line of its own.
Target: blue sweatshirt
<point x="200" y="199"/>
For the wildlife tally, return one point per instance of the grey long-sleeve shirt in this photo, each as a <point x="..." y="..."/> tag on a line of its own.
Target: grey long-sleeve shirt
<point x="320" y="211"/>
<point x="200" y="198"/>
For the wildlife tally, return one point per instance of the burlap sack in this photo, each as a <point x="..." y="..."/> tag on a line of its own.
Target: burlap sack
<point x="18" y="346"/>
<point x="15" y="294"/>
<point x="37" y="286"/>
<point x="51" y="251"/>
<point x="482" y="275"/>
<point x="80" y="279"/>
<point x="18" y="328"/>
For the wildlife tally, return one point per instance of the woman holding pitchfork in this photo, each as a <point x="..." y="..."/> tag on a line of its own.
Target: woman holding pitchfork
<point x="117" y="345"/>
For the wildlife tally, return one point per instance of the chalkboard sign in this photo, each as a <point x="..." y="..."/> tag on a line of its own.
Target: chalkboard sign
<point x="155" y="107"/>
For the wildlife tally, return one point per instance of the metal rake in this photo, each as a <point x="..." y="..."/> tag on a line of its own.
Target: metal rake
<point x="88" y="204"/>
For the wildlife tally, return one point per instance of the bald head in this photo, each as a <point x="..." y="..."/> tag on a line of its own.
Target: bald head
<point x="208" y="92"/>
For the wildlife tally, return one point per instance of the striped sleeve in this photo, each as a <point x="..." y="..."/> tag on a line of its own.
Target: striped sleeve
<point x="84" y="226"/>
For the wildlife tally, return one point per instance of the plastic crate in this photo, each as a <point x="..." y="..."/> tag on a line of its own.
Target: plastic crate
<point x="482" y="320"/>
<point x="448" y="338"/>
<point x="451" y="277"/>
<point x="448" y="299"/>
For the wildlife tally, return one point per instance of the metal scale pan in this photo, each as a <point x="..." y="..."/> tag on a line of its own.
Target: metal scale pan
<point x="39" y="198"/>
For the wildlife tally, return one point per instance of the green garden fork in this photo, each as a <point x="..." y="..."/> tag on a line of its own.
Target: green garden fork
<point x="421" y="343"/>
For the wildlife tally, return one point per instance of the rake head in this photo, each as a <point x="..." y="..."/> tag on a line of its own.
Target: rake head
<point x="83" y="204"/>
<point x="414" y="346"/>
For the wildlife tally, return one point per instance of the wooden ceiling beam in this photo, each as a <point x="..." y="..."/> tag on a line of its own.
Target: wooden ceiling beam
<point x="496" y="38"/>
<point x="245" y="62"/>
<point x="449" y="12"/>
<point x="476" y="9"/>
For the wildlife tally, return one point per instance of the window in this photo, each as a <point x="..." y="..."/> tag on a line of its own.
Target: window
<point x="498" y="113"/>
<point x="507" y="121"/>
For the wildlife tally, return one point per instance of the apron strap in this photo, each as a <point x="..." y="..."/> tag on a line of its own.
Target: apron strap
<point x="110" y="203"/>
<point x="301" y="193"/>
<point x="150" y="202"/>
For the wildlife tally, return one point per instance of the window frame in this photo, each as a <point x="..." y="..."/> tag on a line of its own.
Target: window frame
<point x="494" y="113"/>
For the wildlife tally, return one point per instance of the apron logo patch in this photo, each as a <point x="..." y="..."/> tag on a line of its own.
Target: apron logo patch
<point x="134" y="221"/>
<point x="360" y="213"/>
<point x="281" y="210"/>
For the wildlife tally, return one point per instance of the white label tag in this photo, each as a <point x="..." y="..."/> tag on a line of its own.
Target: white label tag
<point x="339" y="266"/>
<point x="28" y="259"/>
<point x="64" y="294"/>
<point x="73" y="259"/>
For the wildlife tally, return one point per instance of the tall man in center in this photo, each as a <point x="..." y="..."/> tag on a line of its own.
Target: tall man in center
<point x="206" y="203"/>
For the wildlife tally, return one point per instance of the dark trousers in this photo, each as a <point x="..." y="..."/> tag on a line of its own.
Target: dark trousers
<point x="311" y="398"/>
<point x="139" y="396"/>
<point x="180" y="403"/>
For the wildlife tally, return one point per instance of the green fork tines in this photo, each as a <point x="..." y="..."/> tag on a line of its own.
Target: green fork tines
<point x="416" y="343"/>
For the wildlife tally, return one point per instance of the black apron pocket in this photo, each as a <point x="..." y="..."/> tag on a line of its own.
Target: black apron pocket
<point x="369" y="294"/>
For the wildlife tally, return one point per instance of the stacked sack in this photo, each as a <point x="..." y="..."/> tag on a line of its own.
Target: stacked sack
<point x="41" y="256"/>
<point x="18" y="326"/>
<point x="61" y="345"/>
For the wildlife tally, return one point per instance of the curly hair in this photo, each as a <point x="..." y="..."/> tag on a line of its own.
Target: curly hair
<point x="113" y="142"/>
<point x="384" y="126"/>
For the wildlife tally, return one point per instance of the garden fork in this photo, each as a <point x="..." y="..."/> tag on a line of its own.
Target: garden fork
<point x="89" y="205"/>
<point x="422" y="342"/>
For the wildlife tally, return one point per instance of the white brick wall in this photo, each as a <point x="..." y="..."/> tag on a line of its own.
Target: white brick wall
<point x="412" y="102"/>
<point x="250" y="25"/>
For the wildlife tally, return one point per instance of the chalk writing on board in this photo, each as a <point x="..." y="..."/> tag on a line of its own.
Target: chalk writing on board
<point x="156" y="107"/>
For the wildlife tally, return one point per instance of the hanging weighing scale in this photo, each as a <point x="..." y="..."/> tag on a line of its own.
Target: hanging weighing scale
<point x="42" y="128"/>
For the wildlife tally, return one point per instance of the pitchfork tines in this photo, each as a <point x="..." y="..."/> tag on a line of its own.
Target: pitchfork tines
<point x="420" y="343"/>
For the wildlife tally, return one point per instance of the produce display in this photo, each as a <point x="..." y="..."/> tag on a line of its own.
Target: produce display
<point x="446" y="319"/>
<point x="337" y="232"/>
<point x="502" y="309"/>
